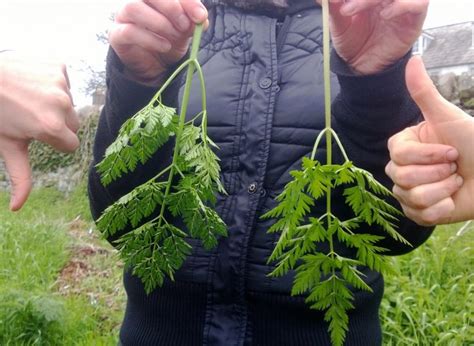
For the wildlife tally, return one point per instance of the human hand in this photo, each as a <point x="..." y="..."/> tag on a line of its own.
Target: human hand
<point x="432" y="164"/>
<point x="151" y="35"/>
<point x="35" y="103"/>
<point x="371" y="35"/>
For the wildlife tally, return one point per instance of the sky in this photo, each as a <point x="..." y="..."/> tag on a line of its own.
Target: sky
<point x="66" y="30"/>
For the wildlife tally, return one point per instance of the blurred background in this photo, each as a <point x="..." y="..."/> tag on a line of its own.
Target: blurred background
<point x="67" y="31"/>
<point x="60" y="284"/>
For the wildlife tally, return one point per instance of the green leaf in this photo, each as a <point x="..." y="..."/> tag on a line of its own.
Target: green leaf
<point x="131" y="208"/>
<point x="138" y="139"/>
<point x="353" y="276"/>
<point x="202" y="222"/>
<point x="308" y="274"/>
<point x="200" y="160"/>
<point x="155" y="250"/>
<point x="326" y="277"/>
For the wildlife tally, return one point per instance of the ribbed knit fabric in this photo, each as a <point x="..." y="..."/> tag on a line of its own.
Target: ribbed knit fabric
<point x="175" y="315"/>
<point x="280" y="320"/>
<point x="172" y="315"/>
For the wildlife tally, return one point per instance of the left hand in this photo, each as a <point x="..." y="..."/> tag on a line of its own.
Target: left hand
<point x="430" y="187"/>
<point x="371" y="35"/>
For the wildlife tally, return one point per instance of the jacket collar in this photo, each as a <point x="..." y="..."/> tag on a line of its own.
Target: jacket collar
<point x="269" y="7"/>
<point x="252" y="4"/>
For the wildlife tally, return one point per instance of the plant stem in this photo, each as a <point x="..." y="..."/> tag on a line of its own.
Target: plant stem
<point x="327" y="81"/>
<point x="169" y="80"/>
<point x="316" y="143"/>
<point x="341" y="148"/>
<point x="204" y="103"/>
<point x="327" y="108"/>
<point x="184" y="108"/>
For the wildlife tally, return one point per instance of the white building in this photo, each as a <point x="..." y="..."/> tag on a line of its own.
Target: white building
<point x="448" y="49"/>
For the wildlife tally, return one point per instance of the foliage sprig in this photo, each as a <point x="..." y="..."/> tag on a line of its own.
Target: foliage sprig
<point x="155" y="248"/>
<point x="326" y="277"/>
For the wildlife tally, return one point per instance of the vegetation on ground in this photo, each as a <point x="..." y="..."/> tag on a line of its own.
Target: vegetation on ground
<point x="61" y="285"/>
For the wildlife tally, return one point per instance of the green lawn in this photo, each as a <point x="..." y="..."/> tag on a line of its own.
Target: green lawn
<point x="61" y="285"/>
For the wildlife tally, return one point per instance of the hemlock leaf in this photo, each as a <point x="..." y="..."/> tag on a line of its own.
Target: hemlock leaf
<point x="153" y="247"/>
<point x="138" y="139"/>
<point x="325" y="276"/>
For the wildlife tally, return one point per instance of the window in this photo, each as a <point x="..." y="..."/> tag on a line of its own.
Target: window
<point x="418" y="46"/>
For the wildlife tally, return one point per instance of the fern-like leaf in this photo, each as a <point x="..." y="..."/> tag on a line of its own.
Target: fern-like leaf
<point x="154" y="251"/>
<point x="138" y="139"/>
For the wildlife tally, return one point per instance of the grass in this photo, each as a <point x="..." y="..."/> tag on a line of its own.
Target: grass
<point x="430" y="301"/>
<point x="61" y="285"/>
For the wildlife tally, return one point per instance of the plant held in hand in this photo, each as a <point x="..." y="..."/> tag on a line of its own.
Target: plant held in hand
<point x="326" y="277"/>
<point x="155" y="248"/>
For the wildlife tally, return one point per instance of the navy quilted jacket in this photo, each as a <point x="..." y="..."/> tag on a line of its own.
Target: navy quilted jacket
<point x="264" y="81"/>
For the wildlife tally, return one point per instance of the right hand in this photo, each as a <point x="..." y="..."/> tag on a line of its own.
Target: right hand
<point x="433" y="163"/>
<point x="35" y="103"/>
<point x="149" y="36"/>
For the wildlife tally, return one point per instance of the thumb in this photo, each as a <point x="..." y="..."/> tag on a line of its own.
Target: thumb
<point x="18" y="168"/>
<point x="434" y="107"/>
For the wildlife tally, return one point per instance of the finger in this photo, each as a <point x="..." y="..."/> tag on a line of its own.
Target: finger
<point x="18" y="168"/>
<point x="195" y="10"/>
<point x="176" y="13"/>
<point x="65" y="113"/>
<point x="63" y="100"/>
<point x="353" y="7"/>
<point x="148" y="18"/>
<point x="398" y="8"/>
<point x="406" y="149"/>
<point x="131" y="35"/>
<point x="434" y="107"/>
<point x="66" y="76"/>
<point x="408" y="177"/>
<point x="438" y="214"/>
<point x="172" y="10"/>
<point x="339" y="22"/>
<point x="68" y="83"/>
<point x="425" y="196"/>
<point x="72" y="121"/>
<point x="59" y="136"/>
<point x="68" y="142"/>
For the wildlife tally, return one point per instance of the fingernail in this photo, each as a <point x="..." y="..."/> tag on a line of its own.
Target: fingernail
<point x="452" y="155"/>
<point x="200" y="14"/>
<point x="453" y="167"/>
<point x="183" y="22"/>
<point x="459" y="180"/>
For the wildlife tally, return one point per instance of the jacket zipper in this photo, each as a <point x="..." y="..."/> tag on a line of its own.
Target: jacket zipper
<point x="282" y="33"/>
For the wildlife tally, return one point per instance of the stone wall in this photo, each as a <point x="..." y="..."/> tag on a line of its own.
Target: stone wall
<point x="458" y="89"/>
<point x="3" y="176"/>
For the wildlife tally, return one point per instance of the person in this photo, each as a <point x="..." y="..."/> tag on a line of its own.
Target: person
<point x="35" y="104"/>
<point x="432" y="163"/>
<point x="262" y="62"/>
